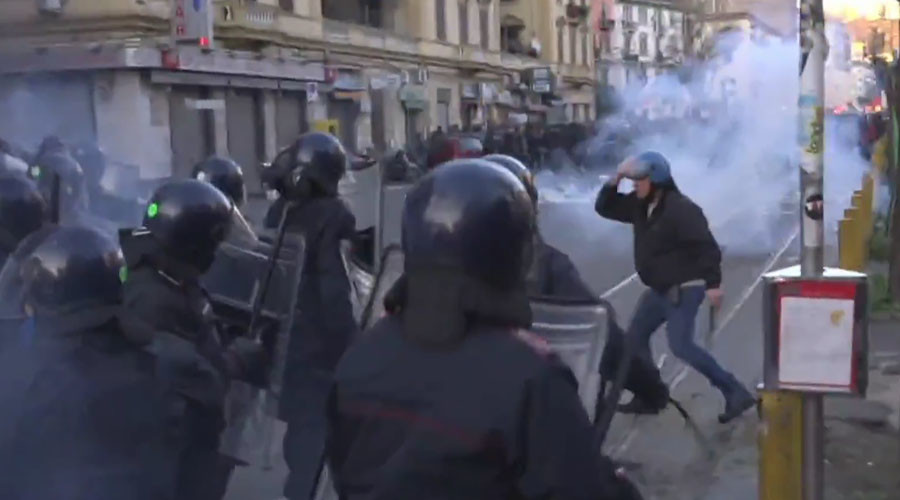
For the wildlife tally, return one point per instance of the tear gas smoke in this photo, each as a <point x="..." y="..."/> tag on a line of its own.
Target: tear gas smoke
<point x="730" y="134"/>
<point x="34" y="108"/>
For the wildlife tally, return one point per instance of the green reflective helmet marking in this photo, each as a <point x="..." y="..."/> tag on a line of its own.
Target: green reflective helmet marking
<point x="152" y="210"/>
<point x="35" y="171"/>
<point x="123" y="274"/>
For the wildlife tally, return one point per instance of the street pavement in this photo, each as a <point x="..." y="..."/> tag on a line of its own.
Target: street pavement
<point x="672" y="460"/>
<point x="663" y="446"/>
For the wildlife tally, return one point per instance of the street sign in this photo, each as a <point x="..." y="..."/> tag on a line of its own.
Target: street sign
<point x="192" y="21"/>
<point x="816" y="332"/>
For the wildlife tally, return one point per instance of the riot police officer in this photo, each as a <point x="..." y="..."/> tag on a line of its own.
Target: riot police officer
<point x="306" y="175"/>
<point x="72" y="201"/>
<point x="420" y="403"/>
<point x="227" y="176"/>
<point x="84" y="415"/>
<point x="102" y="203"/>
<point x="552" y="273"/>
<point x="22" y="212"/>
<point x="184" y="224"/>
<point x="13" y="158"/>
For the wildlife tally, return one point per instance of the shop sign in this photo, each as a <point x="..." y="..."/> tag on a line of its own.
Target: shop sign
<point x="470" y="91"/>
<point x="414" y="96"/>
<point x="506" y="97"/>
<point x="348" y="80"/>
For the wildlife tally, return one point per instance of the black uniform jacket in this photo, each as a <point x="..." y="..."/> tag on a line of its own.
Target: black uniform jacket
<point x="494" y="417"/>
<point x="84" y="417"/>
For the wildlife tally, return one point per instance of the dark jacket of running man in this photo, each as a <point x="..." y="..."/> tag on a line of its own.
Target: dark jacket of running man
<point x="678" y="258"/>
<point x="672" y="242"/>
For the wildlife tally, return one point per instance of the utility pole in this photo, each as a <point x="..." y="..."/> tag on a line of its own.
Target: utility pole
<point x="806" y="309"/>
<point x="813" y="52"/>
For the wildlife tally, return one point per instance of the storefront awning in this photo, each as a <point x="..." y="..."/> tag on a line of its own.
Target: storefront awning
<point x="511" y="21"/>
<point x="351" y="95"/>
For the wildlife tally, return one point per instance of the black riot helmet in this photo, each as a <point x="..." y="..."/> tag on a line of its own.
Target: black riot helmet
<point x="311" y="166"/>
<point x="473" y="216"/>
<point x="92" y="160"/>
<point x="189" y="219"/>
<point x="62" y="270"/>
<point x="223" y="173"/>
<point x="519" y="170"/>
<point x="22" y="210"/>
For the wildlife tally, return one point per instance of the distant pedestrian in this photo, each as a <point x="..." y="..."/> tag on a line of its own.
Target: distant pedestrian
<point x="678" y="258"/>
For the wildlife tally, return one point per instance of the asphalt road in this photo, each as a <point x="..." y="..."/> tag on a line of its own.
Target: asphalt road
<point x="663" y="446"/>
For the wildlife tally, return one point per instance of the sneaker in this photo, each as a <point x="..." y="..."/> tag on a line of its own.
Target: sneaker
<point x="737" y="401"/>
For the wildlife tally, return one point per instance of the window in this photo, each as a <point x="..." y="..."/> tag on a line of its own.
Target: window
<point x="441" y="19"/>
<point x="464" y="22"/>
<point x="443" y="108"/>
<point x="643" y="44"/>
<point x="572" y="37"/>
<point x="627" y="13"/>
<point x="642" y="15"/>
<point x="560" y="42"/>
<point x="287" y="5"/>
<point x="485" y="27"/>
<point x="584" y="49"/>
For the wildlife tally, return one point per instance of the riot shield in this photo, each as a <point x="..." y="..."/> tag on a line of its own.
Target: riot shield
<point x="361" y="280"/>
<point x="359" y="189"/>
<point x="576" y="332"/>
<point x="234" y="280"/>
<point x="233" y="284"/>
<point x="388" y="224"/>
<point x="368" y="289"/>
<point x="389" y="271"/>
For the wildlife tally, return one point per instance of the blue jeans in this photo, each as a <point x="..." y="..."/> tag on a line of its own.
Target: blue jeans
<point x="654" y="309"/>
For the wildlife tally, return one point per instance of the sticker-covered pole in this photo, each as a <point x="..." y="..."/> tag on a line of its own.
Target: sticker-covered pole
<point x="813" y="52"/>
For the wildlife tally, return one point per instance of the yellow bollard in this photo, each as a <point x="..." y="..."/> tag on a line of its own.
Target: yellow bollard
<point x="852" y="243"/>
<point x="843" y="238"/>
<point x="868" y="199"/>
<point x="781" y="446"/>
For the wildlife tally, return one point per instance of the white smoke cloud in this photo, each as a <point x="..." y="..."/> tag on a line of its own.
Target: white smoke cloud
<point x="741" y="164"/>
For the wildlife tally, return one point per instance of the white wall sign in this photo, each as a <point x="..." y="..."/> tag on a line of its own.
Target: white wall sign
<point x="816" y="343"/>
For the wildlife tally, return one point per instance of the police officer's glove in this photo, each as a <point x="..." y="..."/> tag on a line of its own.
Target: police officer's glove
<point x="247" y="361"/>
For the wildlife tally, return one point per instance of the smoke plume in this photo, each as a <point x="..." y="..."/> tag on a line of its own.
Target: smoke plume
<point x="730" y="133"/>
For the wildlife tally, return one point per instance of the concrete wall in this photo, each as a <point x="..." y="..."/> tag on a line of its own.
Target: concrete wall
<point x="439" y="79"/>
<point x="132" y="119"/>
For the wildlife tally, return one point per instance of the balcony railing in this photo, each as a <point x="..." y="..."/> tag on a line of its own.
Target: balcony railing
<point x="235" y="13"/>
<point x="364" y="36"/>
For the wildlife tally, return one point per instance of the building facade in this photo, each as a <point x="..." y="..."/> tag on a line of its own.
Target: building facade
<point x="638" y="39"/>
<point x="556" y="35"/>
<point x="161" y="84"/>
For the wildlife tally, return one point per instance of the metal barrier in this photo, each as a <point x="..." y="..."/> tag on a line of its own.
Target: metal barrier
<point x="576" y="332"/>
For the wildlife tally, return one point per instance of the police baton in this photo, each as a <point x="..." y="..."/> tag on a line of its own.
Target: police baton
<point x="54" y="198"/>
<point x="270" y="270"/>
<point x="603" y="421"/>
